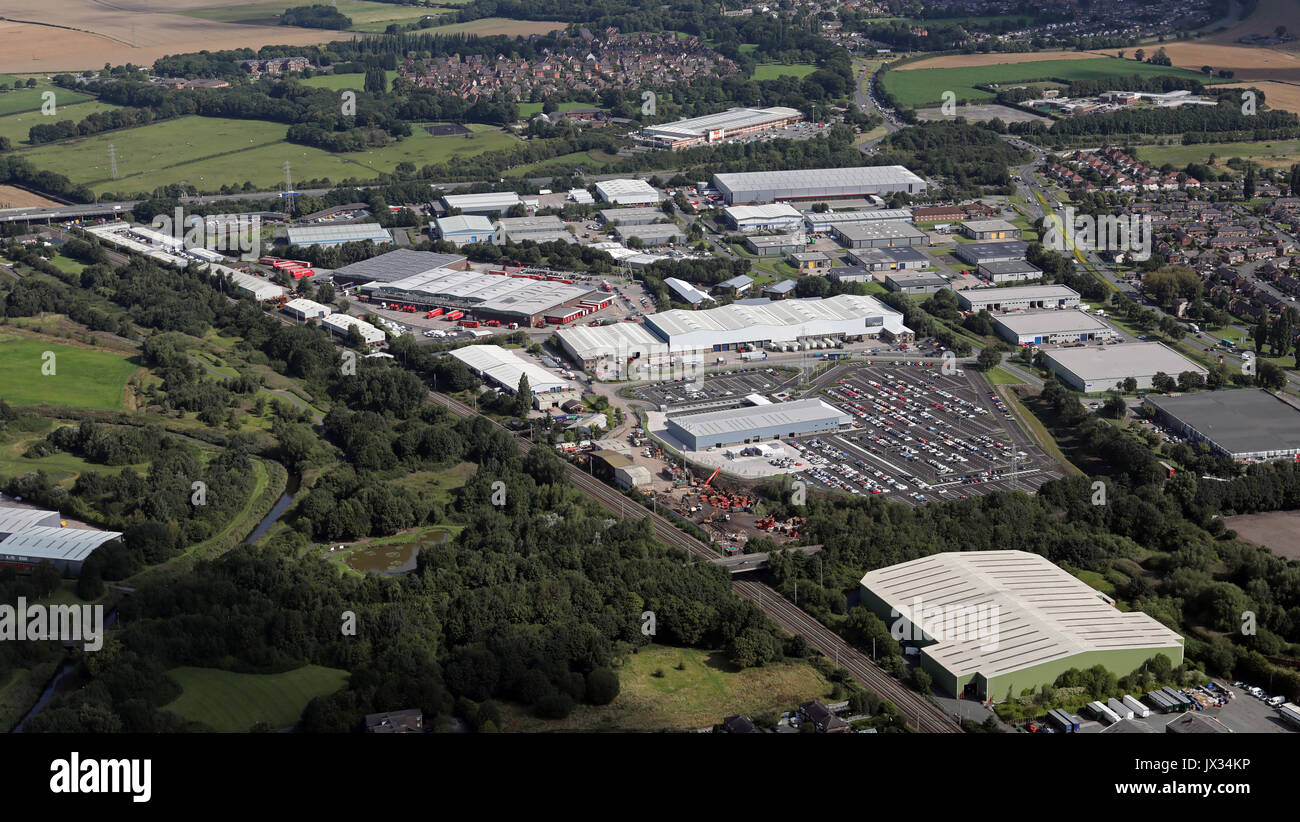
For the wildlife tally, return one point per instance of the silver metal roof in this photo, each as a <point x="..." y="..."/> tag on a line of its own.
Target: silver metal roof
<point x="735" y="420"/>
<point x="830" y="178"/>
<point x="348" y="232"/>
<point x="1050" y="322"/>
<point x="879" y="230"/>
<point x="729" y="119"/>
<point x="13" y="518"/>
<point x="1130" y="359"/>
<point x="398" y="264"/>
<point x="505" y="368"/>
<point x="53" y="542"/>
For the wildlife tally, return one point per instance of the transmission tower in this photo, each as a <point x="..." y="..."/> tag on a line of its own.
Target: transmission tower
<point x="288" y="186"/>
<point x="112" y="160"/>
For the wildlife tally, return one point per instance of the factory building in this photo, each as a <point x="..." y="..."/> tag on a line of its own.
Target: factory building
<point x="685" y="292"/>
<point x="736" y="286"/>
<point x="1018" y="298"/>
<point x="484" y="205"/>
<point x="775" y="245"/>
<point x="651" y="235"/>
<point x="878" y="234"/>
<point x="822" y="222"/>
<point x="809" y="262"/>
<point x="915" y="282"/>
<point x="781" y="290"/>
<point x="770" y="217"/>
<point x="339" y="324"/>
<point x="1051" y="327"/>
<point x="1009" y="271"/>
<point x="303" y="310"/>
<point x="993" y="623"/>
<point x="331" y="235"/>
<point x="468" y="228"/>
<point x="489" y="296"/>
<point x="1093" y="369"/>
<point x="259" y="288"/>
<point x="396" y="265"/>
<point x="502" y="368"/>
<point x="627" y="192"/>
<point x="816" y="184"/>
<point x="901" y="258"/>
<point x="30" y="536"/>
<point x="754" y="424"/>
<point x="731" y="327"/>
<point x="518" y="229"/>
<point x="980" y="253"/>
<point x="989" y="230"/>
<point x="636" y="215"/>
<point x="711" y="128"/>
<point x="1243" y="425"/>
<point x="619" y="351"/>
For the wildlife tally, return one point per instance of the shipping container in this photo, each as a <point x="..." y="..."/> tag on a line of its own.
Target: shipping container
<point x="1119" y="709"/>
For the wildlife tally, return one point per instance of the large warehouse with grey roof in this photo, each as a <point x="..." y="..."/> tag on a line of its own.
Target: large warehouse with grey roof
<point x="749" y="187"/>
<point x="993" y="623"/>
<point x="1093" y="369"/>
<point x="1245" y="425"/>
<point x="762" y="422"/>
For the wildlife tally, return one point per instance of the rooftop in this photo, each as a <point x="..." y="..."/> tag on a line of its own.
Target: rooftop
<point x="1047" y="322"/>
<point x="54" y="542"/>
<point x="1239" y="421"/>
<point x="859" y="176"/>
<point x="1136" y="359"/>
<point x="505" y="368"/>
<point x="736" y="420"/>
<point x="1019" y="292"/>
<point x="398" y="264"/>
<point x="879" y="230"/>
<point x="769" y="211"/>
<point x="350" y="232"/>
<point x="1040" y="612"/>
<point x="786" y="313"/>
<point x="729" y="119"/>
<point x="989" y="225"/>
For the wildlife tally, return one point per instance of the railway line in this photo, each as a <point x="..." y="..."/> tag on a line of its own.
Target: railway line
<point x="917" y="710"/>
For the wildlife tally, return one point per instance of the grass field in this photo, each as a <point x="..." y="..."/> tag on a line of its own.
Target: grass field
<point x="232" y="703"/>
<point x="1272" y="154"/>
<point x="339" y="82"/>
<point x="699" y="696"/>
<point x="921" y="86"/>
<point x="366" y="16"/>
<point x="83" y="378"/>
<point x="16" y="126"/>
<point x="529" y="109"/>
<point x="499" y="25"/>
<point x="210" y="151"/>
<point x="771" y="71"/>
<point x="30" y="99"/>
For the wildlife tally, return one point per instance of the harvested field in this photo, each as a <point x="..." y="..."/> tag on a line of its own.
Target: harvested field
<point x="1248" y="62"/>
<point x="1279" y="531"/>
<point x="1285" y="96"/>
<point x="11" y="197"/>
<point x="968" y="60"/>
<point x="498" y="25"/>
<point x="1268" y="13"/>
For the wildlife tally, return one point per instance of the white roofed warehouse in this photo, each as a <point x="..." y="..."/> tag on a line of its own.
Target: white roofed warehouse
<point x="761" y="422"/>
<point x="30" y="536"/>
<point x="502" y="368"/>
<point x="627" y="192"/>
<point x="1051" y="327"/>
<point x="844" y="317"/>
<point x="1094" y="369"/>
<point x="725" y="125"/>
<point x="815" y="184"/>
<point x="770" y="217"/>
<point x="993" y="623"/>
<point x="339" y="325"/>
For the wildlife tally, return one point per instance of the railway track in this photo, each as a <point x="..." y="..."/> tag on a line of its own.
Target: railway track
<point x="917" y="710"/>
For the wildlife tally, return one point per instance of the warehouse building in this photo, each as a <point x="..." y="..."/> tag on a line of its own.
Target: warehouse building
<point x="846" y="317"/>
<point x="633" y="476"/>
<point x="993" y="623"/>
<point x="619" y="351"/>
<point x="711" y="128"/>
<point x="1094" y="369"/>
<point x="882" y="234"/>
<point x="396" y="265"/>
<point x="980" y="253"/>
<point x="651" y="235"/>
<point x="775" y="245"/>
<point x="1052" y="327"/>
<point x="822" y="222"/>
<point x="67" y="549"/>
<point x="339" y="324"/>
<point x="781" y="290"/>
<point x="989" y="230"/>
<point x="337" y="234"/>
<point x="770" y="217"/>
<point x="484" y="205"/>
<point x="1243" y="425"/>
<point x="501" y="368"/>
<point x="754" y="424"/>
<point x="636" y="215"/>
<point x="816" y="184"/>
<point x="685" y="292"/>
<point x="468" y="228"/>
<point x="851" y="273"/>
<point x="809" y="262"/>
<point x="915" y="282"/>
<point x="1018" y="298"/>
<point x="1009" y="271"/>
<point x="900" y="258"/>
<point x="736" y="286"/>
<point x="518" y="229"/>
<point x="303" y="310"/>
<point x="259" y="288"/>
<point x="489" y="296"/>
<point x="627" y="192"/>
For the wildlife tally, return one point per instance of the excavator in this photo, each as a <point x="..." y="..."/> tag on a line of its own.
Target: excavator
<point x="712" y="476"/>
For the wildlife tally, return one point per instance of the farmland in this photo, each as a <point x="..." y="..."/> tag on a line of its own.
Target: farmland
<point x="30" y="99"/>
<point x="1273" y="154"/>
<point x="82" y="378"/>
<point x="918" y="85"/>
<point x="207" y="152"/>
<point x="16" y="126"/>
<point x="771" y="71"/>
<point x="11" y="197"/>
<point x="1284" y="96"/>
<point x="366" y="15"/>
<point x="339" y="82"/>
<point x="232" y="703"/>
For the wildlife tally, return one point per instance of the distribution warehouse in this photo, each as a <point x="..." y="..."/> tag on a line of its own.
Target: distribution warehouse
<point x="29" y="536"/>
<point x="993" y="623"/>
<point x="395" y="265"/>
<point x="761" y="422"/>
<point x="1051" y="327"/>
<point x="725" y="125"/>
<point x="489" y="296"/>
<point x="329" y="235"/>
<point x="1018" y="298"/>
<point x="503" y="369"/>
<point x="1093" y="369"/>
<point x="748" y="187"/>
<point x="1241" y="425"/>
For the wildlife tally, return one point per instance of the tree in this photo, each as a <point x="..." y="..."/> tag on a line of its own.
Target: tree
<point x="376" y="81"/>
<point x="523" y="397"/>
<point x="1130" y="385"/>
<point x="1162" y="383"/>
<point x="1248" y="185"/>
<point x="988" y="358"/>
<point x="602" y="686"/>
<point x="1115" y="407"/>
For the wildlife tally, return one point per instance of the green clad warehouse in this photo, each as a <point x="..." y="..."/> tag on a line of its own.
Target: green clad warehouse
<point x="993" y="623"/>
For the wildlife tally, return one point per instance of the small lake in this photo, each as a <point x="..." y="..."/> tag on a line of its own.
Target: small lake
<point x="392" y="559"/>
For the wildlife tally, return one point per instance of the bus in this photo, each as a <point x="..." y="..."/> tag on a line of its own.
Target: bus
<point x="1226" y="343"/>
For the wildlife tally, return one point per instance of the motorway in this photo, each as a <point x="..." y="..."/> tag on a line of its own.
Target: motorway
<point x="925" y="715"/>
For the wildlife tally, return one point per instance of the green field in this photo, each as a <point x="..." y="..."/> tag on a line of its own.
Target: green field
<point x="771" y="71"/>
<point x="529" y="109"/>
<point x="16" y="126"/>
<point x="366" y="16"/>
<point x="339" y="82"/>
<point x="82" y="378"/>
<point x="915" y="87"/>
<point x="1275" y="153"/>
<point x="30" y="99"/>
<point x="232" y="703"/>
<point x="208" y="152"/>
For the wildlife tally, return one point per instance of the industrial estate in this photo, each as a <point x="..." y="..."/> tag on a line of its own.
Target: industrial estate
<point x="831" y="368"/>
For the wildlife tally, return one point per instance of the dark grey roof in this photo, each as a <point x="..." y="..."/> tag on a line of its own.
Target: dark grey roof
<point x="1239" y="421"/>
<point x="397" y="265"/>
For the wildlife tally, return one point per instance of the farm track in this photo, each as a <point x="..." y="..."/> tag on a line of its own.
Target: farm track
<point x="916" y="709"/>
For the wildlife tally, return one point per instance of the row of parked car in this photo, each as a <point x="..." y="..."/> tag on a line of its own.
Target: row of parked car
<point x="1260" y="694"/>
